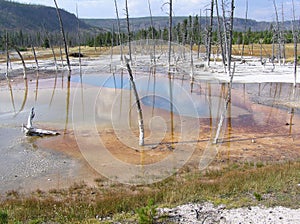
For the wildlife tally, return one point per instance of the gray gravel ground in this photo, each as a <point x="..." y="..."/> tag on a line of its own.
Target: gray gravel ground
<point x="208" y="213"/>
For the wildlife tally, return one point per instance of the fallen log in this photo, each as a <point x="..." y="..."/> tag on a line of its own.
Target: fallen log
<point x="29" y="130"/>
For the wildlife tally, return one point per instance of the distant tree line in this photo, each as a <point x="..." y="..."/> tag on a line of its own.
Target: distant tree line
<point x="188" y="30"/>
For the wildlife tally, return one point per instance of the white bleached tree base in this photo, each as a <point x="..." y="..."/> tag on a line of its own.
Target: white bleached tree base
<point x="29" y="130"/>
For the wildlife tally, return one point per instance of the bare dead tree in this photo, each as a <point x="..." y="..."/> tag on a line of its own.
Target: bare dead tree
<point x="226" y="106"/>
<point x="228" y="32"/>
<point x="170" y="33"/>
<point x="63" y="37"/>
<point x="223" y="53"/>
<point x="261" y="48"/>
<point x="112" y="47"/>
<point x="139" y="108"/>
<point x="283" y="53"/>
<point x="128" y="30"/>
<point x="209" y="34"/>
<point x="51" y="46"/>
<point x="230" y="37"/>
<point x="191" y="50"/>
<point x="119" y="30"/>
<point x="277" y="32"/>
<point x="295" y="39"/>
<point x="200" y="36"/>
<point x="152" y="33"/>
<point x="23" y="62"/>
<point x="245" y="30"/>
<point x="35" y="57"/>
<point x="54" y="56"/>
<point x="7" y="53"/>
<point x="78" y="35"/>
<point x="225" y="29"/>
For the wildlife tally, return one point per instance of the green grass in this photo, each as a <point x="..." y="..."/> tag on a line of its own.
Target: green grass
<point x="235" y="186"/>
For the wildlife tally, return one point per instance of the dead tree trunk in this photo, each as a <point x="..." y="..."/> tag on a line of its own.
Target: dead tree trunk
<point x="191" y="51"/>
<point x="243" y="41"/>
<point x="220" y="35"/>
<point x="153" y="58"/>
<point x="209" y="35"/>
<point x="277" y="33"/>
<point x="295" y="39"/>
<point x="35" y="58"/>
<point x="261" y="47"/>
<point x="128" y="30"/>
<point x="23" y="62"/>
<point x="170" y="34"/>
<point x="228" y="29"/>
<point x="112" y="47"/>
<point x="7" y="53"/>
<point x="200" y="37"/>
<point x="54" y="57"/>
<point x="29" y="130"/>
<point x="61" y="56"/>
<point x="230" y="37"/>
<point x="119" y="31"/>
<point x="223" y="115"/>
<point x="63" y="37"/>
<point x="78" y="35"/>
<point x="283" y="53"/>
<point x="52" y="48"/>
<point x="139" y="108"/>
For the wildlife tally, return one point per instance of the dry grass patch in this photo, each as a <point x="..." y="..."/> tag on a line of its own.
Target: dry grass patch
<point x="235" y="185"/>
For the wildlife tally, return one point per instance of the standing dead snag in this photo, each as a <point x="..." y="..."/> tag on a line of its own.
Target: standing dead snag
<point x="63" y="35"/>
<point x="295" y="38"/>
<point x="35" y="58"/>
<point x="220" y="34"/>
<point x="29" y="130"/>
<point x="209" y="34"/>
<point x="227" y="102"/>
<point x="228" y="33"/>
<point x="7" y="53"/>
<point x="138" y="104"/>
<point x="128" y="30"/>
<point x="78" y="34"/>
<point x="277" y="32"/>
<point x="153" y="34"/>
<point x="23" y="62"/>
<point x="170" y="34"/>
<point x="119" y="30"/>
<point x="245" y="31"/>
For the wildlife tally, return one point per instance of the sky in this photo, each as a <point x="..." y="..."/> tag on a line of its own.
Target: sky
<point x="261" y="10"/>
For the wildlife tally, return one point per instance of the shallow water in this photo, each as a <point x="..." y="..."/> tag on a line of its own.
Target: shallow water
<point x="91" y="103"/>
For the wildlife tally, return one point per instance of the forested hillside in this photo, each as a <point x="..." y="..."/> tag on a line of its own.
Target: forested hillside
<point x="31" y="18"/>
<point x="162" y="22"/>
<point x="28" y="24"/>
